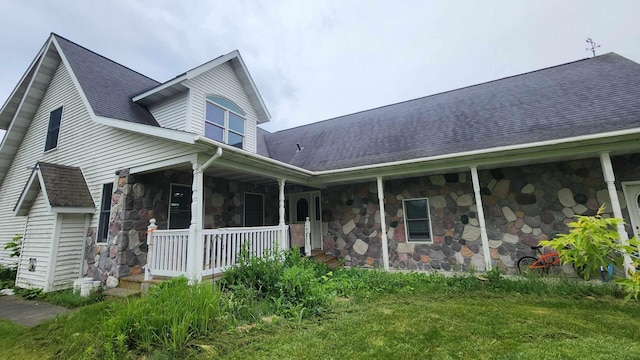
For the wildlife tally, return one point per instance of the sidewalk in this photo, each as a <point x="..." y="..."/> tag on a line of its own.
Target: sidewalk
<point x="27" y="312"/>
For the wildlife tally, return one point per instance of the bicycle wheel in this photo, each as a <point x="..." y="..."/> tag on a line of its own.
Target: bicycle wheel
<point x="606" y="273"/>
<point x="524" y="266"/>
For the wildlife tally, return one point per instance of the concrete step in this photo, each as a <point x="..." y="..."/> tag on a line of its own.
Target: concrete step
<point x="122" y="292"/>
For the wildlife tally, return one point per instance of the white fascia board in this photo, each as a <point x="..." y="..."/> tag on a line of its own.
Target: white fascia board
<point x="85" y="101"/>
<point x="72" y="210"/>
<point x="169" y="134"/>
<point x="253" y="88"/>
<point x="540" y="145"/>
<point x="167" y="163"/>
<point x="23" y="196"/>
<point x="253" y="156"/>
<point x="188" y="75"/>
<point x="35" y="62"/>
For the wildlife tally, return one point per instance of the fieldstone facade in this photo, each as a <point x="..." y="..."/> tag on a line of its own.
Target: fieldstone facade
<point x="522" y="206"/>
<point x="139" y="198"/>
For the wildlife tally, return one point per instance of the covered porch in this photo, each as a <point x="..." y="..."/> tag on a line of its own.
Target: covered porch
<point x="207" y="208"/>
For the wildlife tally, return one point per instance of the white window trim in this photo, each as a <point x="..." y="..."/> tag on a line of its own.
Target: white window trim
<point x="225" y="129"/>
<point x="406" y="226"/>
<point x="169" y="207"/>
<point x="59" y="129"/>
<point x="244" y="215"/>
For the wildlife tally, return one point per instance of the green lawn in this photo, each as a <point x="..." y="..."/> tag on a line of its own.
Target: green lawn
<point x="469" y="326"/>
<point x="410" y="325"/>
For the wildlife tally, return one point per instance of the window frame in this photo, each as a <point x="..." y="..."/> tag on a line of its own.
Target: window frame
<point x="171" y="185"/>
<point x="244" y="218"/>
<point x="57" y="130"/>
<point x="226" y="129"/>
<point x="104" y="225"/>
<point x="406" y="225"/>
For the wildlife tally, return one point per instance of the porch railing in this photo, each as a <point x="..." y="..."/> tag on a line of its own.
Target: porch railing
<point x="222" y="247"/>
<point x="168" y="250"/>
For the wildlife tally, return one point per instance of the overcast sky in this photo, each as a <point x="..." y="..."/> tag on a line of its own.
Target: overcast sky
<point x="314" y="60"/>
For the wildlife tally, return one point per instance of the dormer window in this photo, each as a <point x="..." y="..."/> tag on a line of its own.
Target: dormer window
<point x="224" y="121"/>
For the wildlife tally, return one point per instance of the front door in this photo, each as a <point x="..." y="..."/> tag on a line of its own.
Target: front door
<point x="632" y="195"/>
<point x="303" y="205"/>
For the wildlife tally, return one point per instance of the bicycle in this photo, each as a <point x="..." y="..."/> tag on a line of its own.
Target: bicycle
<point x="544" y="262"/>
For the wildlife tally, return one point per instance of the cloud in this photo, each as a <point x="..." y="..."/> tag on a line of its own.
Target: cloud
<point x="314" y="60"/>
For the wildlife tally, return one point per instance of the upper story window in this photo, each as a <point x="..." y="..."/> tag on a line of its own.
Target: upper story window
<point x="224" y="121"/>
<point x="53" y="130"/>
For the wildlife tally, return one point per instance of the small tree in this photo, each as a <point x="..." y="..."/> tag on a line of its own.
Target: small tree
<point x="14" y="246"/>
<point x="593" y="241"/>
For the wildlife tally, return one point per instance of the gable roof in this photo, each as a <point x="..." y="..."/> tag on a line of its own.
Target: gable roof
<point x="63" y="187"/>
<point x="107" y="85"/>
<point x="174" y="86"/>
<point x="589" y="96"/>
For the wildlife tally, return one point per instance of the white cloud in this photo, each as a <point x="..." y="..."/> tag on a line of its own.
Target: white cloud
<point x="314" y="60"/>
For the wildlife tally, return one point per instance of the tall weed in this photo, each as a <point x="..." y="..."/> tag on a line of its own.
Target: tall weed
<point x="170" y="317"/>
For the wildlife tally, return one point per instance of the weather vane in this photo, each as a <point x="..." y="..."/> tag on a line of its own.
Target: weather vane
<point x="593" y="45"/>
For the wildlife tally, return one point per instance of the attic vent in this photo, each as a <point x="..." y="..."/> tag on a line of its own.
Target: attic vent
<point x="300" y="148"/>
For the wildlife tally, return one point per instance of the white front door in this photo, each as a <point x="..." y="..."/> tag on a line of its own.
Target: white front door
<point x="632" y="195"/>
<point x="303" y="205"/>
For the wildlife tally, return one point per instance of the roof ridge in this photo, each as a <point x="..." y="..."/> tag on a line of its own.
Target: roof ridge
<point x="440" y="93"/>
<point x="57" y="165"/>
<point x="104" y="57"/>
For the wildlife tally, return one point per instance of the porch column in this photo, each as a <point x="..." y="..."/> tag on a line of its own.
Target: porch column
<point x="383" y="225"/>
<point x="480" y="210"/>
<point x="281" y="220"/>
<point x="195" y="251"/>
<point x="610" y="179"/>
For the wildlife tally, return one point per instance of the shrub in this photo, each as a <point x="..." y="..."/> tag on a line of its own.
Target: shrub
<point x="593" y="241"/>
<point x="282" y="282"/>
<point x="171" y="316"/>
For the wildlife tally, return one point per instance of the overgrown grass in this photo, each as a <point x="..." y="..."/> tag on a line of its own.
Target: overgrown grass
<point x="7" y="277"/>
<point x="170" y="317"/>
<point x="379" y="315"/>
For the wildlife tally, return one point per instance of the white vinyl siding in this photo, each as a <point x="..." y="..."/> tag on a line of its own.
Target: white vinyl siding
<point x="97" y="149"/>
<point x="221" y="81"/>
<point x="171" y="113"/>
<point x="69" y="251"/>
<point x="36" y="244"/>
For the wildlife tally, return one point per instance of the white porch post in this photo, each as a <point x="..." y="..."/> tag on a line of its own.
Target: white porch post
<point x="383" y="225"/>
<point x="147" y="269"/>
<point x="195" y="251"/>
<point x="281" y="221"/>
<point x="610" y="179"/>
<point x="483" y="226"/>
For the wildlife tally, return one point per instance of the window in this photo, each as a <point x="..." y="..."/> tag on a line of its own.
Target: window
<point x="105" y="210"/>
<point x="54" y="129"/>
<point x="180" y="207"/>
<point x="224" y="121"/>
<point x="417" y="220"/>
<point x="253" y="209"/>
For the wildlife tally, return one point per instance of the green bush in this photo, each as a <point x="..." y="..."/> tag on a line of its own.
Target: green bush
<point x="593" y="241"/>
<point x="282" y="282"/>
<point x="7" y="277"/>
<point x="171" y="316"/>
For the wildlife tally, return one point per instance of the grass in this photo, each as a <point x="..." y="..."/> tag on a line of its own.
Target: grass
<point x="377" y="316"/>
<point x="476" y="325"/>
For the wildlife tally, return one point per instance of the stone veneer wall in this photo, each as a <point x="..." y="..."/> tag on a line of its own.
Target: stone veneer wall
<point x="522" y="206"/>
<point x="139" y="198"/>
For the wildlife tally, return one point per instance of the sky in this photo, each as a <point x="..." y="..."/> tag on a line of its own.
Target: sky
<point x="315" y="60"/>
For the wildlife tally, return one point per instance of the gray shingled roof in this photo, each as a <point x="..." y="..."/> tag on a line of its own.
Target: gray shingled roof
<point x="65" y="186"/>
<point x="589" y="96"/>
<point x="108" y="85"/>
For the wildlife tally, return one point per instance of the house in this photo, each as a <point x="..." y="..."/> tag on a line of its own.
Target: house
<point x="108" y="173"/>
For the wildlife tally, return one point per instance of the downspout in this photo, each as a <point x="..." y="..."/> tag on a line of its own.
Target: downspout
<point x="208" y="163"/>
